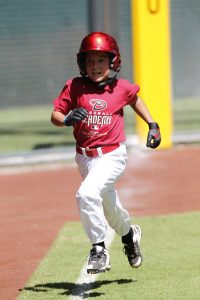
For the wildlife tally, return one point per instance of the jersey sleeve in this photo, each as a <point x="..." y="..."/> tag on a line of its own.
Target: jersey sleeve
<point x="64" y="103"/>
<point x="133" y="89"/>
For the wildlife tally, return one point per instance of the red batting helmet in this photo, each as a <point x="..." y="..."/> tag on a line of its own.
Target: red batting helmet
<point x="101" y="42"/>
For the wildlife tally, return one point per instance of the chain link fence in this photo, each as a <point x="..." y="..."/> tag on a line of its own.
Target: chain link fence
<point x="39" y="42"/>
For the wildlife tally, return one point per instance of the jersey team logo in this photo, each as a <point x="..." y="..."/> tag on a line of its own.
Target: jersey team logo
<point x="98" y="104"/>
<point x="95" y="127"/>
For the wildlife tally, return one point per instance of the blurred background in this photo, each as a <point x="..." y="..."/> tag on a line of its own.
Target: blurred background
<point x="39" y="41"/>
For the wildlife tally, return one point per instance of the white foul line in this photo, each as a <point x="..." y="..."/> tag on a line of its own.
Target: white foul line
<point x="85" y="281"/>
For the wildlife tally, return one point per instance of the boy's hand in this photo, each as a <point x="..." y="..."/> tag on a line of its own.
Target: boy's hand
<point x="154" y="137"/>
<point x="76" y="115"/>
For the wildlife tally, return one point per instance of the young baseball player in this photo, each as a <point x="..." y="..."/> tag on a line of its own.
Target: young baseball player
<point x="93" y="105"/>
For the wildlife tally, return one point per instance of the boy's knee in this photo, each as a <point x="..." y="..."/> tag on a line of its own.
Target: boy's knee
<point x="86" y="193"/>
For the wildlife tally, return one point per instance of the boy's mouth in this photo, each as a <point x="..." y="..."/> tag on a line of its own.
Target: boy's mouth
<point x="96" y="73"/>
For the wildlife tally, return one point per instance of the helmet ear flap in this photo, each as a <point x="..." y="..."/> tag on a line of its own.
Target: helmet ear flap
<point x="112" y="61"/>
<point x="115" y="63"/>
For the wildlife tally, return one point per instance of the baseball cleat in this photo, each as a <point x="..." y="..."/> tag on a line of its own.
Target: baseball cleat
<point x="98" y="260"/>
<point x="132" y="250"/>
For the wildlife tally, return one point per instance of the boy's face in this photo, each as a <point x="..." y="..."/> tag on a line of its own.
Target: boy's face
<point x="97" y="65"/>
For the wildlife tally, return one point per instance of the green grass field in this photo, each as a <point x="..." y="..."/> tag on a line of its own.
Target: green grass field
<point x="170" y="270"/>
<point x="29" y="128"/>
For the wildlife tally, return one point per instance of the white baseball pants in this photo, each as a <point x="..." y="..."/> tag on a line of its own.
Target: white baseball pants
<point x="97" y="198"/>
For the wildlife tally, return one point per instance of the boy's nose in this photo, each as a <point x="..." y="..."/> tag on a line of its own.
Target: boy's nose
<point x="95" y="63"/>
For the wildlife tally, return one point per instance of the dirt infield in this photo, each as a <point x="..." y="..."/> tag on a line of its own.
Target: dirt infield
<point x="36" y="203"/>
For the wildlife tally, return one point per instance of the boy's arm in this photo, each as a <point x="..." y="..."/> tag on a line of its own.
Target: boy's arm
<point x="153" y="137"/>
<point x="57" y="118"/>
<point x="141" y="109"/>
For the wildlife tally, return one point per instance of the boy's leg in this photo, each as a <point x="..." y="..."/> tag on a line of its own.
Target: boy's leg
<point x="99" y="175"/>
<point x="97" y="197"/>
<point x="118" y="219"/>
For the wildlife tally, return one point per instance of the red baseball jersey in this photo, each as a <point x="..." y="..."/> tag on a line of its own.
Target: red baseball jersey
<point x="105" y="122"/>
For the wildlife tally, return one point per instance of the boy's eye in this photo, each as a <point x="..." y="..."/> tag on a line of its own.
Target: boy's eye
<point x="91" y="61"/>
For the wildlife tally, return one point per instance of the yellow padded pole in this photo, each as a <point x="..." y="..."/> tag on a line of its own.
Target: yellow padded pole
<point x="152" y="63"/>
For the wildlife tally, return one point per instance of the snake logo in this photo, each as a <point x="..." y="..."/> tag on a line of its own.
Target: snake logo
<point x="98" y="104"/>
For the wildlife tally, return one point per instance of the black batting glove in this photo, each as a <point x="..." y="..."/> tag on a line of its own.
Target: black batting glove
<point x="154" y="137"/>
<point x="76" y="115"/>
